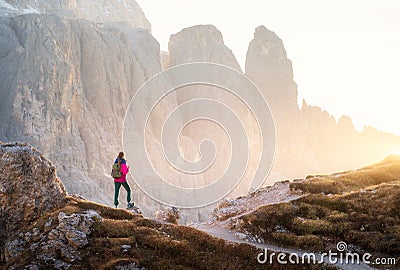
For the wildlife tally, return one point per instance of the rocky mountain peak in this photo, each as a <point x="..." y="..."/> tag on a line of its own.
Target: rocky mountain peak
<point x="200" y="43"/>
<point x="268" y="66"/>
<point x="345" y="123"/>
<point x="271" y="45"/>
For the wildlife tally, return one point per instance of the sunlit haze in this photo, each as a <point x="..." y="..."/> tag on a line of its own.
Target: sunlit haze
<point x="345" y="54"/>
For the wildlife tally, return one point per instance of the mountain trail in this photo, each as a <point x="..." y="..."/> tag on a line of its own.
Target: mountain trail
<point x="228" y="212"/>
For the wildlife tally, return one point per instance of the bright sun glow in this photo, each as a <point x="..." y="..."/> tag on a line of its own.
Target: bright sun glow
<point x="396" y="151"/>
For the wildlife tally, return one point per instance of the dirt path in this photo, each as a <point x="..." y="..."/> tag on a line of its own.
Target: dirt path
<point x="279" y="192"/>
<point x="231" y="236"/>
<point x="219" y="224"/>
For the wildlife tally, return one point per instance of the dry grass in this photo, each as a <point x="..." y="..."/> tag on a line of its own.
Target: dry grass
<point x="369" y="219"/>
<point x="383" y="172"/>
<point x="104" y="211"/>
<point x="154" y="245"/>
<point x="168" y="246"/>
<point x="362" y="208"/>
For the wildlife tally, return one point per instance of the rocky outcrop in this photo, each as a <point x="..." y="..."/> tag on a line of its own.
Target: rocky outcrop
<point x="30" y="190"/>
<point x="127" y="11"/>
<point x="53" y="246"/>
<point x="29" y="187"/>
<point x="169" y="214"/>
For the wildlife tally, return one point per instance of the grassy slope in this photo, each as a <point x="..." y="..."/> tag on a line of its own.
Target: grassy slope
<point x="382" y="172"/>
<point x="366" y="215"/>
<point x="154" y="245"/>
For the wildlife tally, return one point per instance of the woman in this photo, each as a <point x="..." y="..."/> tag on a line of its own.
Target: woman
<point x="122" y="181"/>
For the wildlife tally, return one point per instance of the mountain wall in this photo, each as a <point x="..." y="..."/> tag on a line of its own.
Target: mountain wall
<point x="65" y="86"/>
<point x="204" y="43"/>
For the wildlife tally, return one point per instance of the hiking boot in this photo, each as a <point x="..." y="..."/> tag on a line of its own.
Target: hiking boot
<point x="131" y="204"/>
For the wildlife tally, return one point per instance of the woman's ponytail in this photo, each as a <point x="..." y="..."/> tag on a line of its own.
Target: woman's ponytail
<point x="120" y="157"/>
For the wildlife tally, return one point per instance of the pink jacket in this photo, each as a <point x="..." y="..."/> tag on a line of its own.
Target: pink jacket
<point x="124" y="170"/>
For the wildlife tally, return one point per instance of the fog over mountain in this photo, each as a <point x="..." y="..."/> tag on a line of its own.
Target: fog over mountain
<point x="68" y="70"/>
<point x="96" y="11"/>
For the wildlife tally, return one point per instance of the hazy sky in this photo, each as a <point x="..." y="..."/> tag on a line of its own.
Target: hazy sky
<point x="345" y="53"/>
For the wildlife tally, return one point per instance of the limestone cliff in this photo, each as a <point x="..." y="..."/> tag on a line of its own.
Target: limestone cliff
<point x="64" y="87"/>
<point x="269" y="68"/>
<point x="204" y="43"/>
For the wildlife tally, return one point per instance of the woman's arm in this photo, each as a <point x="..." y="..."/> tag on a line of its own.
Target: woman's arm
<point x="124" y="169"/>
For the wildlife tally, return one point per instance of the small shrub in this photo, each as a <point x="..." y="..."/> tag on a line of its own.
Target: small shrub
<point x="310" y="242"/>
<point x="312" y="226"/>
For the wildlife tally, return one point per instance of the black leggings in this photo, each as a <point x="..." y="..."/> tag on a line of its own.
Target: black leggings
<point x="116" y="194"/>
